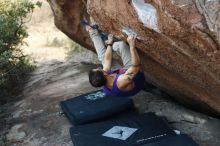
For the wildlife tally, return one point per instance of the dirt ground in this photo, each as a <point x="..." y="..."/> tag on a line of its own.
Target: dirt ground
<point x="36" y="119"/>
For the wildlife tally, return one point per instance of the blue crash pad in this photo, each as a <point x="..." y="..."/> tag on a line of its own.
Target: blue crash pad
<point x="179" y="140"/>
<point x="94" y="106"/>
<point x="130" y="131"/>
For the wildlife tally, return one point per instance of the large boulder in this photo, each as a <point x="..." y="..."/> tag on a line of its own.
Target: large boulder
<point x="178" y="41"/>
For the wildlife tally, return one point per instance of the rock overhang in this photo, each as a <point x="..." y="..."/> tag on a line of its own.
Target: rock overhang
<point x="178" y="42"/>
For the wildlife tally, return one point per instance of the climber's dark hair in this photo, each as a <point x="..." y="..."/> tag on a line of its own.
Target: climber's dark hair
<point x="97" y="78"/>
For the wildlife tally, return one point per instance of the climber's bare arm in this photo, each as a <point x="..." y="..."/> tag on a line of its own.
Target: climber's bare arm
<point x="108" y="54"/>
<point x="108" y="59"/>
<point x="128" y="78"/>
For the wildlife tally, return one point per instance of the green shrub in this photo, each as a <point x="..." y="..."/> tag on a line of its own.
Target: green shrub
<point x="72" y="48"/>
<point x="14" y="65"/>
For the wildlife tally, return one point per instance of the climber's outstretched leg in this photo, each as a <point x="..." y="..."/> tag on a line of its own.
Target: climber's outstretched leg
<point x="123" y="51"/>
<point x="98" y="43"/>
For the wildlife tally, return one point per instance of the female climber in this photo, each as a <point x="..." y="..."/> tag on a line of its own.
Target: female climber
<point x="115" y="80"/>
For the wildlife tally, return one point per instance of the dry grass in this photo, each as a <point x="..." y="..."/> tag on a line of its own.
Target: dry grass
<point x="45" y="40"/>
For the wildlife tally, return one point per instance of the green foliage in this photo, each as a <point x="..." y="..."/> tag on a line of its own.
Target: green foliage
<point x="14" y="65"/>
<point x="73" y="46"/>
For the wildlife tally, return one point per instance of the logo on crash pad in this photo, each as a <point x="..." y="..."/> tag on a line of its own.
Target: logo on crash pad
<point x="95" y="96"/>
<point x="119" y="132"/>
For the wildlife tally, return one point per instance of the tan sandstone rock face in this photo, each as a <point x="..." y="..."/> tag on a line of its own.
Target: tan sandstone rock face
<point x="178" y="41"/>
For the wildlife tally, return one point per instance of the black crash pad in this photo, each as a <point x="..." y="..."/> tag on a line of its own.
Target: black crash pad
<point x="136" y="130"/>
<point x="178" y="140"/>
<point x="94" y="106"/>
